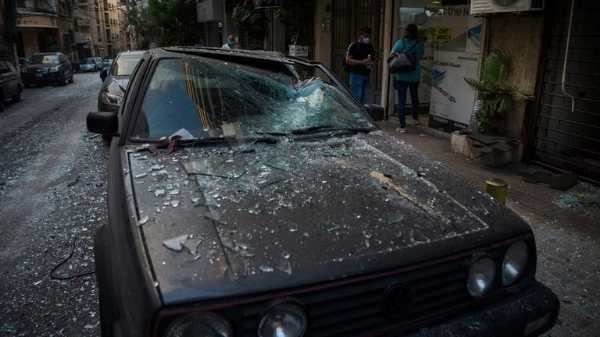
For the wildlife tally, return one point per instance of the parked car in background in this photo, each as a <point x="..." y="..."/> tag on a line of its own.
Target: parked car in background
<point x="115" y="80"/>
<point x="48" y="68"/>
<point x="250" y="195"/>
<point x="91" y="64"/>
<point x="10" y="83"/>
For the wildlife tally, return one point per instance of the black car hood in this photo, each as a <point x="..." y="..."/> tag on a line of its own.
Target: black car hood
<point x="265" y="217"/>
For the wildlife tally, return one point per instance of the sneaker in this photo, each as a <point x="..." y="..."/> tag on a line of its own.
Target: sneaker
<point x="402" y="130"/>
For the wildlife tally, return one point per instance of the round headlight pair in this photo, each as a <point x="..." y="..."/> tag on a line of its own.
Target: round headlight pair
<point x="282" y="320"/>
<point x="483" y="271"/>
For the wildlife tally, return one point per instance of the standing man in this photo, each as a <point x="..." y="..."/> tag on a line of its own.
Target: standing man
<point x="359" y="60"/>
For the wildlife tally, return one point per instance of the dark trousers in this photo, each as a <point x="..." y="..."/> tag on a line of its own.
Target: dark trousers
<point x="400" y="107"/>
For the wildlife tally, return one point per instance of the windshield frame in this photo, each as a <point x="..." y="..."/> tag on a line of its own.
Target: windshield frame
<point x="150" y="69"/>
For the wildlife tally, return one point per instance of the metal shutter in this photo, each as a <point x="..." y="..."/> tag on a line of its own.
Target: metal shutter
<point x="566" y="139"/>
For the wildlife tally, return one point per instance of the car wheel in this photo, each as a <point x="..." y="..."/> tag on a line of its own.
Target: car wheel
<point x="27" y="85"/>
<point x="1" y="104"/>
<point x="104" y="297"/>
<point x="16" y="98"/>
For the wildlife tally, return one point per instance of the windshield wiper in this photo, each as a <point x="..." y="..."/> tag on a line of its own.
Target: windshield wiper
<point x="224" y="140"/>
<point x="330" y="128"/>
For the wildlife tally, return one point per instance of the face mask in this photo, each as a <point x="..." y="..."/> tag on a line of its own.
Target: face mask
<point x="366" y="40"/>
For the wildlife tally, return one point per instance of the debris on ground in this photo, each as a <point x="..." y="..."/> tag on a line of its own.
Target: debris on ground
<point x="562" y="182"/>
<point x="584" y="197"/>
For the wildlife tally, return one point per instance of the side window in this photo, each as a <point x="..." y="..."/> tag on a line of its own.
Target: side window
<point x="131" y="79"/>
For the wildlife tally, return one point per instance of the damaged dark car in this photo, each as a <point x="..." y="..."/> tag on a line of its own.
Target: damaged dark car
<point x="250" y="195"/>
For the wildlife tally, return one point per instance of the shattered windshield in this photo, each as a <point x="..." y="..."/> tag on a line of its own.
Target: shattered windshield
<point x="200" y="98"/>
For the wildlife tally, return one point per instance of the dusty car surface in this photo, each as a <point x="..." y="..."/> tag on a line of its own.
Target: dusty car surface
<point x="250" y="195"/>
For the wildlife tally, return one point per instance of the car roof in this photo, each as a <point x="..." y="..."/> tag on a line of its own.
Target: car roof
<point x="225" y="54"/>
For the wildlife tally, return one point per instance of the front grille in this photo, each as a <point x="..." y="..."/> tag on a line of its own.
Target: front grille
<point x="358" y="309"/>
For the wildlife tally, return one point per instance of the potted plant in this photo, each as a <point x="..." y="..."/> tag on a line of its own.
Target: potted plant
<point x="496" y="94"/>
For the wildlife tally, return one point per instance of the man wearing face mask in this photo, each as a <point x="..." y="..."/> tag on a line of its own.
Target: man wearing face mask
<point x="359" y="60"/>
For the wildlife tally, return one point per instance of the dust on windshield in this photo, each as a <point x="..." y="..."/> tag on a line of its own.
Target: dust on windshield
<point x="204" y="98"/>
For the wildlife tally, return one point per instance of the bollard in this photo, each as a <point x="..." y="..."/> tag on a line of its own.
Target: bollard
<point x="498" y="189"/>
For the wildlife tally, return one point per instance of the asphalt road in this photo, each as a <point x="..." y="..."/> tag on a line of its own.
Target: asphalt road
<point x="52" y="198"/>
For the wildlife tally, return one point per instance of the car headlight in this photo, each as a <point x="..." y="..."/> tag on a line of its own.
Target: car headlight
<point x="514" y="263"/>
<point x="108" y="98"/>
<point x="283" y="320"/>
<point x="481" y="277"/>
<point x="199" y="325"/>
<point x="54" y="69"/>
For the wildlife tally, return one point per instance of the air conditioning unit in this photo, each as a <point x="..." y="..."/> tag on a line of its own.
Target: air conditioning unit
<point x="479" y="7"/>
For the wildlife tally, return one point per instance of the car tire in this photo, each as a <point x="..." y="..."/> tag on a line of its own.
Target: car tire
<point x="104" y="297"/>
<point x="27" y="85"/>
<point x="17" y="98"/>
<point x="1" y="103"/>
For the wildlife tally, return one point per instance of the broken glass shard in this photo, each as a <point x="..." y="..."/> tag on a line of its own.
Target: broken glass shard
<point x="159" y="192"/>
<point x="175" y="203"/>
<point x="176" y="243"/>
<point x="143" y="220"/>
<point x="141" y="175"/>
<point x="266" y="269"/>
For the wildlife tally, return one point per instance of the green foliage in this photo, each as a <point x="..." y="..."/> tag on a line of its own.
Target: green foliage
<point x="170" y="22"/>
<point x="496" y="93"/>
<point x="249" y="19"/>
<point x="297" y="16"/>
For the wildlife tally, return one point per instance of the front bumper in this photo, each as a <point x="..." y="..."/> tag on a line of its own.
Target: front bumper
<point x="42" y="78"/>
<point x="529" y="313"/>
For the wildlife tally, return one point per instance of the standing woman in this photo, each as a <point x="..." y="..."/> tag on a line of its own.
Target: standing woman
<point x="408" y="80"/>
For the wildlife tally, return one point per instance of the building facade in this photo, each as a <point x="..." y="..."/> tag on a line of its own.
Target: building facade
<point x="77" y="28"/>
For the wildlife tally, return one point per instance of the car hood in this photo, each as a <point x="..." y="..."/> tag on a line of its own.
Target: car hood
<point x="255" y="218"/>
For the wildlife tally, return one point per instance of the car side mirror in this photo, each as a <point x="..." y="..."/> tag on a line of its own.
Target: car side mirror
<point x="104" y="123"/>
<point x="103" y="74"/>
<point x="375" y="111"/>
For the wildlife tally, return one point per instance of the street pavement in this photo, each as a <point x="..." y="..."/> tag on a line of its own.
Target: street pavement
<point x="52" y="198"/>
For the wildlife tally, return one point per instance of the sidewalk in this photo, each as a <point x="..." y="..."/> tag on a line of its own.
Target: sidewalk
<point x="568" y="239"/>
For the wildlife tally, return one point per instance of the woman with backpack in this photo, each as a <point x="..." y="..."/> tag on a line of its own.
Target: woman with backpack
<point x="406" y="72"/>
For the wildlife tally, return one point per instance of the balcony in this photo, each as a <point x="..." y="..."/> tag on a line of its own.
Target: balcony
<point x="32" y="7"/>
